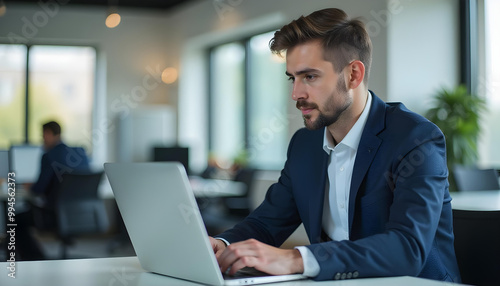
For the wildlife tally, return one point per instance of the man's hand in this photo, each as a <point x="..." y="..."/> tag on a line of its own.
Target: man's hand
<point x="263" y="257"/>
<point x="217" y="245"/>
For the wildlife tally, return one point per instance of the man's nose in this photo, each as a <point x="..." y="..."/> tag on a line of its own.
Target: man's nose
<point x="299" y="91"/>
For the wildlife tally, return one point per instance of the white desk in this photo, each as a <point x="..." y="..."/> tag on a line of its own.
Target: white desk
<point x="126" y="271"/>
<point x="476" y="200"/>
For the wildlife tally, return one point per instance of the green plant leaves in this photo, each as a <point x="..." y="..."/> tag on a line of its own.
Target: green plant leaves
<point x="457" y="113"/>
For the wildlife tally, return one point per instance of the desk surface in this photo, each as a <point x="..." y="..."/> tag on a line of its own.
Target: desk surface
<point x="476" y="200"/>
<point x="126" y="271"/>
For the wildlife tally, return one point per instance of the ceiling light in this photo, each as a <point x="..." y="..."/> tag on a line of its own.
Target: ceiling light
<point x="113" y="20"/>
<point x="3" y="8"/>
<point x="169" y="75"/>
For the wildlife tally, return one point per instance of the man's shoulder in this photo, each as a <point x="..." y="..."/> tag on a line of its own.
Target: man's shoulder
<point x="399" y="115"/>
<point x="304" y="134"/>
<point x="400" y="122"/>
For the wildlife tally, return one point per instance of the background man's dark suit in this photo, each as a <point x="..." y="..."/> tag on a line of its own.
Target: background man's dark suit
<point x="59" y="160"/>
<point x="400" y="218"/>
<point x="55" y="162"/>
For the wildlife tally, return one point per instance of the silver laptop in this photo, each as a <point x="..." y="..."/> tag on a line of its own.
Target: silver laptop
<point x="165" y="226"/>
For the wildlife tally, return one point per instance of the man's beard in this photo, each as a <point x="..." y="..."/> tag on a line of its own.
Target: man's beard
<point x="324" y="119"/>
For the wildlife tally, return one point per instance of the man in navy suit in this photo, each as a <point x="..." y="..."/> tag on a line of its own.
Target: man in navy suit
<point x="367" y="179"/>
<point x="57" y="160"/>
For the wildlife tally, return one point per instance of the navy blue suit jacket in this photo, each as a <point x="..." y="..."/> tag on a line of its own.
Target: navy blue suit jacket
<point x="400" y="218"/>
<point x="59" y="160"/>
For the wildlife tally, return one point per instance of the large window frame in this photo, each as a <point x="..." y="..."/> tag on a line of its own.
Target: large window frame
<point x="249" y="138"/>
<point x="27" y="137"/>
<point x="475" y="74"/>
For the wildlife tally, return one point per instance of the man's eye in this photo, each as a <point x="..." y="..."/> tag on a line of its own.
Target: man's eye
<point x="291" y="78"/>
<point x="310" y="77"/>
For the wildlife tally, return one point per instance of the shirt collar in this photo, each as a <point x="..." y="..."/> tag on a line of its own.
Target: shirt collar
<point x="354" y="135"/>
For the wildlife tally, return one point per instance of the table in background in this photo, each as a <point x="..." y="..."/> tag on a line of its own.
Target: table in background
<point x="203" y="188"/>
<point x="127" y="271"/>
<point x="476" y="200"/>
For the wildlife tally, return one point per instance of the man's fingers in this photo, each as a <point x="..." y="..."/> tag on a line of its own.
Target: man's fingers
<point x="218" y="246"/>
<point x="235" y="252"/>
<point x="247" y="261"/>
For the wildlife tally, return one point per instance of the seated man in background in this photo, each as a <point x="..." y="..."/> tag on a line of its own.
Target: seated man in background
<point x="57" y="160"/>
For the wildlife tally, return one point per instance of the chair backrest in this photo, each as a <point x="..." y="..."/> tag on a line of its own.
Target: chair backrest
<point x="474" y="179"/>
<point x="246" y="176"/>
<point x="241" y="206"/>
<point x="477" y="246"/>
<point x="78" y="208"/>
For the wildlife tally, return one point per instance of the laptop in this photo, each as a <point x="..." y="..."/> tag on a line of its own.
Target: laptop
<point x="165" y="226"/>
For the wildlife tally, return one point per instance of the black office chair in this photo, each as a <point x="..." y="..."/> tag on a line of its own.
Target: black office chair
<point x="477" y="246"/>
<point x="78" y="209"/>
<point x="474" y="179"/>
<point x="240" y="206"/>
<point x="220" y="214"/>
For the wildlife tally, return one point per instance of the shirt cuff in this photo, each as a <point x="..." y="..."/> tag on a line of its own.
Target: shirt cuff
<point x="225" y="241"/>
<point x="311" y="265"/>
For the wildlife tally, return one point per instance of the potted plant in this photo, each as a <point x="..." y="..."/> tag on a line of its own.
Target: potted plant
<point x="457" y="113"/>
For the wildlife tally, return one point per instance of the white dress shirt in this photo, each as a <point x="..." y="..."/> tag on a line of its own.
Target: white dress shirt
<point x="335" y="221"/>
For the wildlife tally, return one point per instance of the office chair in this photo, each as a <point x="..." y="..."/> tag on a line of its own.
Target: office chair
<point x="477" y="246"/>
<point x="78" y="209"/>
<point x="240" y="206"/>
<point x="220" y="214"/>
<point x="474" y="179"/>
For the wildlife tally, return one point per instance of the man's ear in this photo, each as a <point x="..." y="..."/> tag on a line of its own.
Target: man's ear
<point x="355" y="74"/>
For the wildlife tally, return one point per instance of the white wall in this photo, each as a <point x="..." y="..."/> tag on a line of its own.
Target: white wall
<point x="423" y="50"/>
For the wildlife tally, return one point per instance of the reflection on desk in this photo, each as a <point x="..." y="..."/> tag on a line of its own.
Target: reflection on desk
<point x="127" y="271"/>
<point x="476" y="200"/>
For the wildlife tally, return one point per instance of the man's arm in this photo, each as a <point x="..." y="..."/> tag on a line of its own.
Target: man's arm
<point x="46" y="174"/>
<point x="254" y="241"/>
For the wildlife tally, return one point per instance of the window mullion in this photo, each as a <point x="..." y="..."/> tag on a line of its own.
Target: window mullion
<point x="26" y="104"/>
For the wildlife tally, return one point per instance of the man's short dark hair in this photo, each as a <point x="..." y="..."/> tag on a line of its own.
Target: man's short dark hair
<point x="52" y="126"/>
<point x="343" y="39"/>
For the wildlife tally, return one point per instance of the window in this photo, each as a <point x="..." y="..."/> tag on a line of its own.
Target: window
<point x="12" y="91"/>
<point x="489" y="86"/>
<point x="227" y="101"/>
<point x="268" y="99"/>
<point x="248" y="103"/>
<point x="60" y="87"/>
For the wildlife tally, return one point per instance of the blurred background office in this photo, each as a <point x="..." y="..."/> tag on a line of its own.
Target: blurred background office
<point x="198" y="76"/>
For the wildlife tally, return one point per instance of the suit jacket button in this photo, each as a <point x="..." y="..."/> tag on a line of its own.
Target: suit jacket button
<point x="355" y="274"/>
<point x="343" y="276"/>
<point x="337" y="276"/>
<point x="349" y="275"/>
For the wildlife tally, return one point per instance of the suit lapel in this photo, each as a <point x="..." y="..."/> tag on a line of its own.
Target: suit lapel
<point x="318" y="172"/>
<point x="367" y="149"/>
